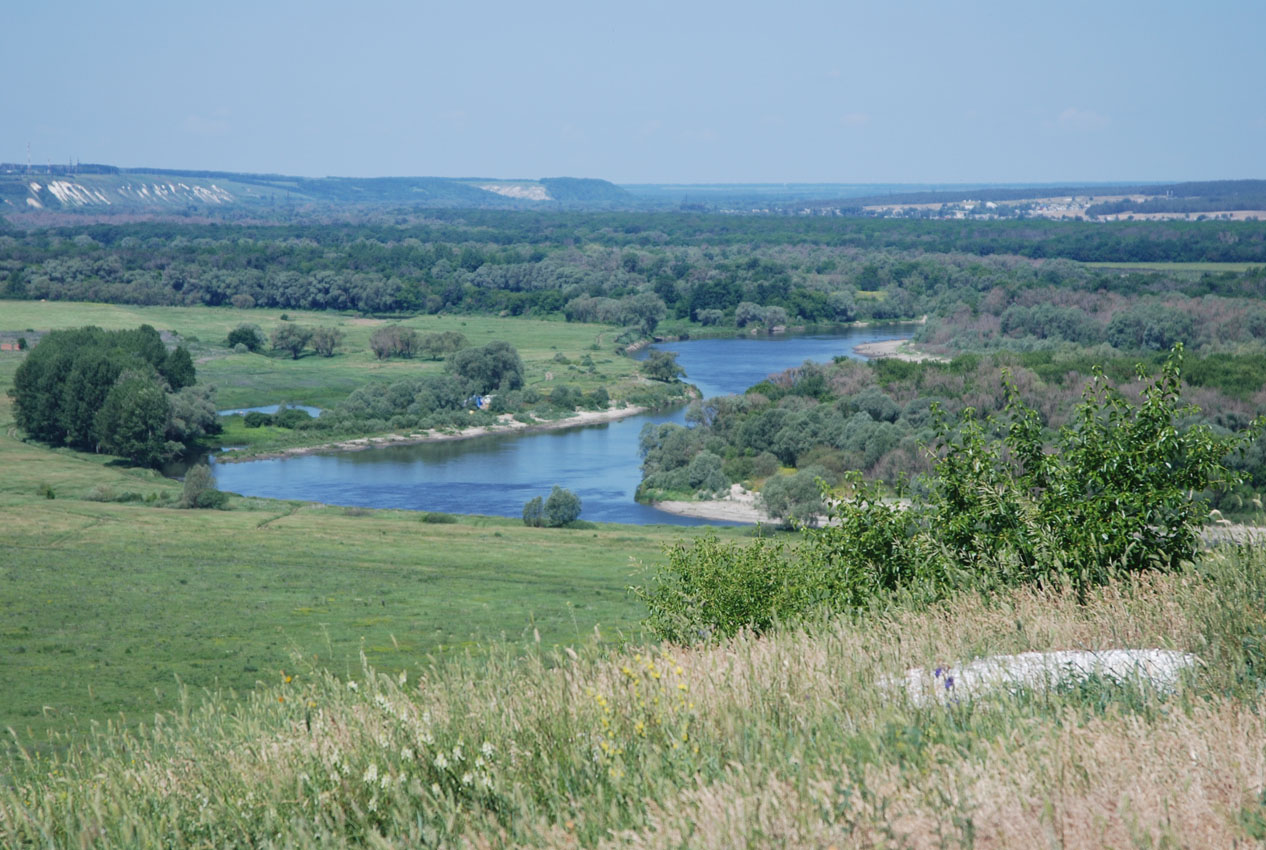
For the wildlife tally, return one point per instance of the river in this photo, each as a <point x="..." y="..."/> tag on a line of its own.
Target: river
<point x="496" y="474"/>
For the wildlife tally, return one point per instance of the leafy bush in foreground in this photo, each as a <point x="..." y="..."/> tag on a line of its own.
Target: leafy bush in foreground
<point x="1118" y="492"/>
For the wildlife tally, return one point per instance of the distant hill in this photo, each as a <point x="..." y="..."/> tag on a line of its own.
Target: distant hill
<point x="106" y="188"/>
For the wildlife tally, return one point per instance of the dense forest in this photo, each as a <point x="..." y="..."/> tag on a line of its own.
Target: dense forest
<point x="695" y="268"/>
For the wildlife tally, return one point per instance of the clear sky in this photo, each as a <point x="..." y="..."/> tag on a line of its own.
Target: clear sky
<point x="646" y="91"/>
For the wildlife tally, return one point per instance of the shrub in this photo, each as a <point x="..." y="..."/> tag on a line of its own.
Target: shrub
<point x="438" y="518"/>
<point x="534" y="512"/>
<point x="562" y="507"/>
<point x="246" y="334"/>
<point x="199" y="490"/>
<point x="256" y="419"/>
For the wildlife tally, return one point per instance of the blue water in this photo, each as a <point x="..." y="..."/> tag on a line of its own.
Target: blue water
<point x="270" y="409"/>
<point x="496" y="474"/>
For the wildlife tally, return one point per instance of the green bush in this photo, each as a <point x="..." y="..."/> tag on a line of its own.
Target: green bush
<point x="199" y="489"/>
<point x="438" y="518"/>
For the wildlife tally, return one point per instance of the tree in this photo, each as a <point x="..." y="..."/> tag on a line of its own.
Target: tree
<point x="562" y="507"/>
<point x="748" y="313"/>
<point x="662" y="366"/>
<point x="178" y="369"/>
<point x="292" y="338"/>
<point x="795" y="498"/>
<point x="496" y="365"/>
<point x="326" y="340"/>
<point x="248" y="335"/>
<point x="646" y="309"/>
<point x="534" y="513"/>
<point x="133" y="421"/>
<point x="440" y="345"/>
<point x="393" y="341"/>
<point x="199" y="490"/>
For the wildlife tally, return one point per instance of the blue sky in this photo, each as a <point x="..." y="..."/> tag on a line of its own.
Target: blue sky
<point x="644" y="92"/>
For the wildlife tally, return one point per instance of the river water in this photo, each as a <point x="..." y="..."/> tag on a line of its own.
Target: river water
<point x="496" y="474"/>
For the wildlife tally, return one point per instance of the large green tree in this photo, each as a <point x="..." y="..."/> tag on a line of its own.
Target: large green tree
<point x="132" y="423"/>
<point x="496" y="365"/>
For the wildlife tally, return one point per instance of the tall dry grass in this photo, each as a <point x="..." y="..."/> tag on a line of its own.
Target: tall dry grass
<point x="788" y="740"/>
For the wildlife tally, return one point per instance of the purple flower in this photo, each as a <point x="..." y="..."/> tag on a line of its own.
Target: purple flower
<point x="949" y="682"/>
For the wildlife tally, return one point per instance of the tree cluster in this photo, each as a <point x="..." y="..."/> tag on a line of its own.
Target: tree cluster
<point x="121" y="392"/>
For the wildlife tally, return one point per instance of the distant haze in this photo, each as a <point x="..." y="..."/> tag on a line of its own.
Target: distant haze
<point x="650" y="92"/>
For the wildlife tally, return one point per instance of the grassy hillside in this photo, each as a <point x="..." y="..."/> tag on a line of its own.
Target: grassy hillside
<point x="791" y="740"/>
<point x="107" y="604"/>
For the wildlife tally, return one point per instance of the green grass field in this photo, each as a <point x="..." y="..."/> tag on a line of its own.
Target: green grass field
<point x="106" y="605"/>
<point x="248" y="380"/>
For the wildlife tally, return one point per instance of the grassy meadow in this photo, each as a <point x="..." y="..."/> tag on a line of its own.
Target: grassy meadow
<point x="249" y="380"/>
<point x="111" y="597"/>
<point x="793" y="739"/>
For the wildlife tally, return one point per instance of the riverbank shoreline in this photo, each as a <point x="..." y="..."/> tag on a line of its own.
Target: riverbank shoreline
<point x="506" y="424"/>
<point x="739" y="505"/>
<point x="896" y="349"/>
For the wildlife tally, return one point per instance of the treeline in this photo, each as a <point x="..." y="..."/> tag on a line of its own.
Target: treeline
<point x="701" y="269"/>
<point x="831" y="420"/>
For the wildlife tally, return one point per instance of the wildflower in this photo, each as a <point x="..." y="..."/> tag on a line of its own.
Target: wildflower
<point x="487" y="749"/>
<point x="373" y="803"/>
<point x="406" y="753"/>
<point x="457" y="753"/>
<point x="385" y="782"/>
<point x="352" y="686"/>
<point x="371" y="774"/>
<point x="435" y="789"/>
<point x="441" y="761"/>
<point x="404" y="677"/>
<point x="479" y="761"/>
<point x="281" y="699"/>
<point x="427" y="739"/>
<point x="467" y="778"/>
<point x="485" y="781"/>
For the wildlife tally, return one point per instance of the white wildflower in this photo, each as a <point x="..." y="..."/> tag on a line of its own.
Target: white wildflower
<point x="487" y="749"/>
<point x="467" y="778"/>
<point x="457" y="753"/>
<point x="406" y="753"/>
<point x="351" y="686"/>
<point x="479" y="762"/>
<point x="385" y="782"/>
<point x="427" y="739"/>
<point x="441" y="761"/>
<point x="485" y="781"/>
<point x="435" y="789"/>
<point x="371" y="773"/>
<point x="404" y="677"/>
<point x="373" y="803"/>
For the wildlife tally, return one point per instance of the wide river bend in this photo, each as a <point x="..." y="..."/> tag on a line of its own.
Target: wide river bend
<point x="496" y="474"/>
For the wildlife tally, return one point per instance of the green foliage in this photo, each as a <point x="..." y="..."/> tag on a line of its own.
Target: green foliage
<point x="393" y="341"/>
<point x="710" y="590"/>
<point x="291" y="338"/>
<point x="178" y="369"/>
<point x="495" y="366"/>
<point x="1117" y="493"/>
<point x="562" y="507"/>
<point x="438" y="518"/>
<point x="133" y="420"/>
<point x="795" y="499"/>
<point x="437" y="346"/>
<point x="325" y="340"/>
<point x="247" y="334"/>
<point x="199" y="489"/>
<point x="662" y="366"/>
<point x="534" y="512"/>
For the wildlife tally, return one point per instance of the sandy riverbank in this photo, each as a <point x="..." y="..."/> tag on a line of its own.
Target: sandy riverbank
<point x="737" y="506"/>
<point x="506" y="424"/>
<point x="896" y="349"/>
